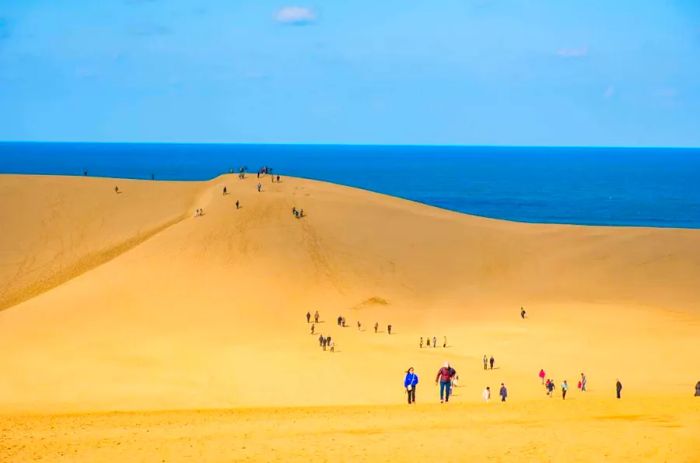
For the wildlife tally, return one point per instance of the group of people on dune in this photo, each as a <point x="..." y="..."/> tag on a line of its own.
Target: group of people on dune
<point x="325" y="342"/>
<point x="447" y="379"/>
<point x="435" y="343"/>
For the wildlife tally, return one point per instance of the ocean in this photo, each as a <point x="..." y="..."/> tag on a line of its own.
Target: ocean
<point x="657" y="187"/>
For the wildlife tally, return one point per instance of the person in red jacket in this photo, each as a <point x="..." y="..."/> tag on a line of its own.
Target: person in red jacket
<point x="444" y="377"/>
<point x="542" y="375"/>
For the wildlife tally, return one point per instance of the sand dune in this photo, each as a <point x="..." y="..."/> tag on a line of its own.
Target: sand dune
<point x="129" y="302"/>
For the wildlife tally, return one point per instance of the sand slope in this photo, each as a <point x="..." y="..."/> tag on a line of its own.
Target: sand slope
<point x="208" y="312"/>
<point x="54" y="229"/>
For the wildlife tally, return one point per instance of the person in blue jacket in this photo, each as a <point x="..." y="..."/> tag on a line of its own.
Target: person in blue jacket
<point x="410" y="382"/>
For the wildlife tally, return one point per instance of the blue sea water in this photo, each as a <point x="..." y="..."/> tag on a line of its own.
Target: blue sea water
<point x="658" y="187"/>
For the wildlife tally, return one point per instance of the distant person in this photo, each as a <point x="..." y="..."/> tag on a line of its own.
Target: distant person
<point x="564" y="389"/>
<point x="444" y="342"/>
<point x="332" y="345"/>
<point x="584" y="382"/>
<point x="486" y="362"/>
<point x="503" y="392"/>
<point x="421" y="342"/>
<point x="410" y="382"/>
<point x="388" y="329"/>
<point x="427" y="341"/>
<point x="697" y="389"/>
<point x="359" y="325"/>
<point x="238" y="204"/>
<point x="542" y="375"/>
<point x="116" y="189"/>
<point x="339" y="320"/>
<point x="486" y="394"/>
<point x="259" y="187"/>
<point x="444" y="377"/>
<point x="308" y="317"/>
<point x="321" y="339"/>
<point x="316" y="317"/>
<point x="294" y="211"/>
<point x="376" y="327"/>
<point x="491" y="360"/>
<point x="278" y="179"/>
<point x="313" y="328"/>
<point x="343" y="321"/>
<point x="618" y="388"/>
<point x="225" y="191"/>
<point x="522" y="313"/>
<point x="153" y="176"/>
<point x="301" y="213"/>
<point x="85" y="172"/>
<point x="434" y="342"/>
<point x="324" y="343"/>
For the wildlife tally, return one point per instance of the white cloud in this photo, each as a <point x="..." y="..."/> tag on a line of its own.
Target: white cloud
<point x="573" y="52"/>
<point x="609" y="91"/>
<point x="295" y="15"/>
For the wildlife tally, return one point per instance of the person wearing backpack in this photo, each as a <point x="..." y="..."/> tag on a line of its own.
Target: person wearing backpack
<point x="444" y="377"/>
<point x="410" y="382"/>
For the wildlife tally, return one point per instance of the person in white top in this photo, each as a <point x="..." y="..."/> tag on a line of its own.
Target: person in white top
<point x="486" y="394"/>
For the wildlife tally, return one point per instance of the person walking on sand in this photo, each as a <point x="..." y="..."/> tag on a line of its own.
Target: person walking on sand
<point x="486" y="362"/>
<point x="550" y="388"/>
<point x="491" y="360"/>
<point x="359" y="325"/>
<point x="410" y="382"/>
<point x="316" y="317"/>
<point x="486" y="394"/>
<point x="238" y="204"/>
<point x="542" y="375"/>
<point x="320" y="340"/>
<point x="332" y="345"/>
<point x="324" y="343"/>
<point x="434" y="342"/>
<point x="225" y="191"/>
<point x="522" y="313"/>
<point x="116" y="189"/>
<point x="618" y="388"/>
<point x="308" y="317"/>
<point x="444" y="377"/>
<point x="564" y="389"/>
<point x="376" y="327"/>
<point x="313" y="328"/>
<point x="388" y="329"/>
<point x="584" y="382"/>
<point x="444" y="342"/>
<point x="259" y="187"/>
<point x="421" y="342"/>
<point x="503" y="392"/>
<point x="278" y="179"/>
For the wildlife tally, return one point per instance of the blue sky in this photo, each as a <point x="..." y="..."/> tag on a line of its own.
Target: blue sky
<point x="472" y="72"/>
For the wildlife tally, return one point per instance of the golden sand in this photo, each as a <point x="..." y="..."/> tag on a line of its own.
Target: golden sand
<point x="128" y="302"/>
